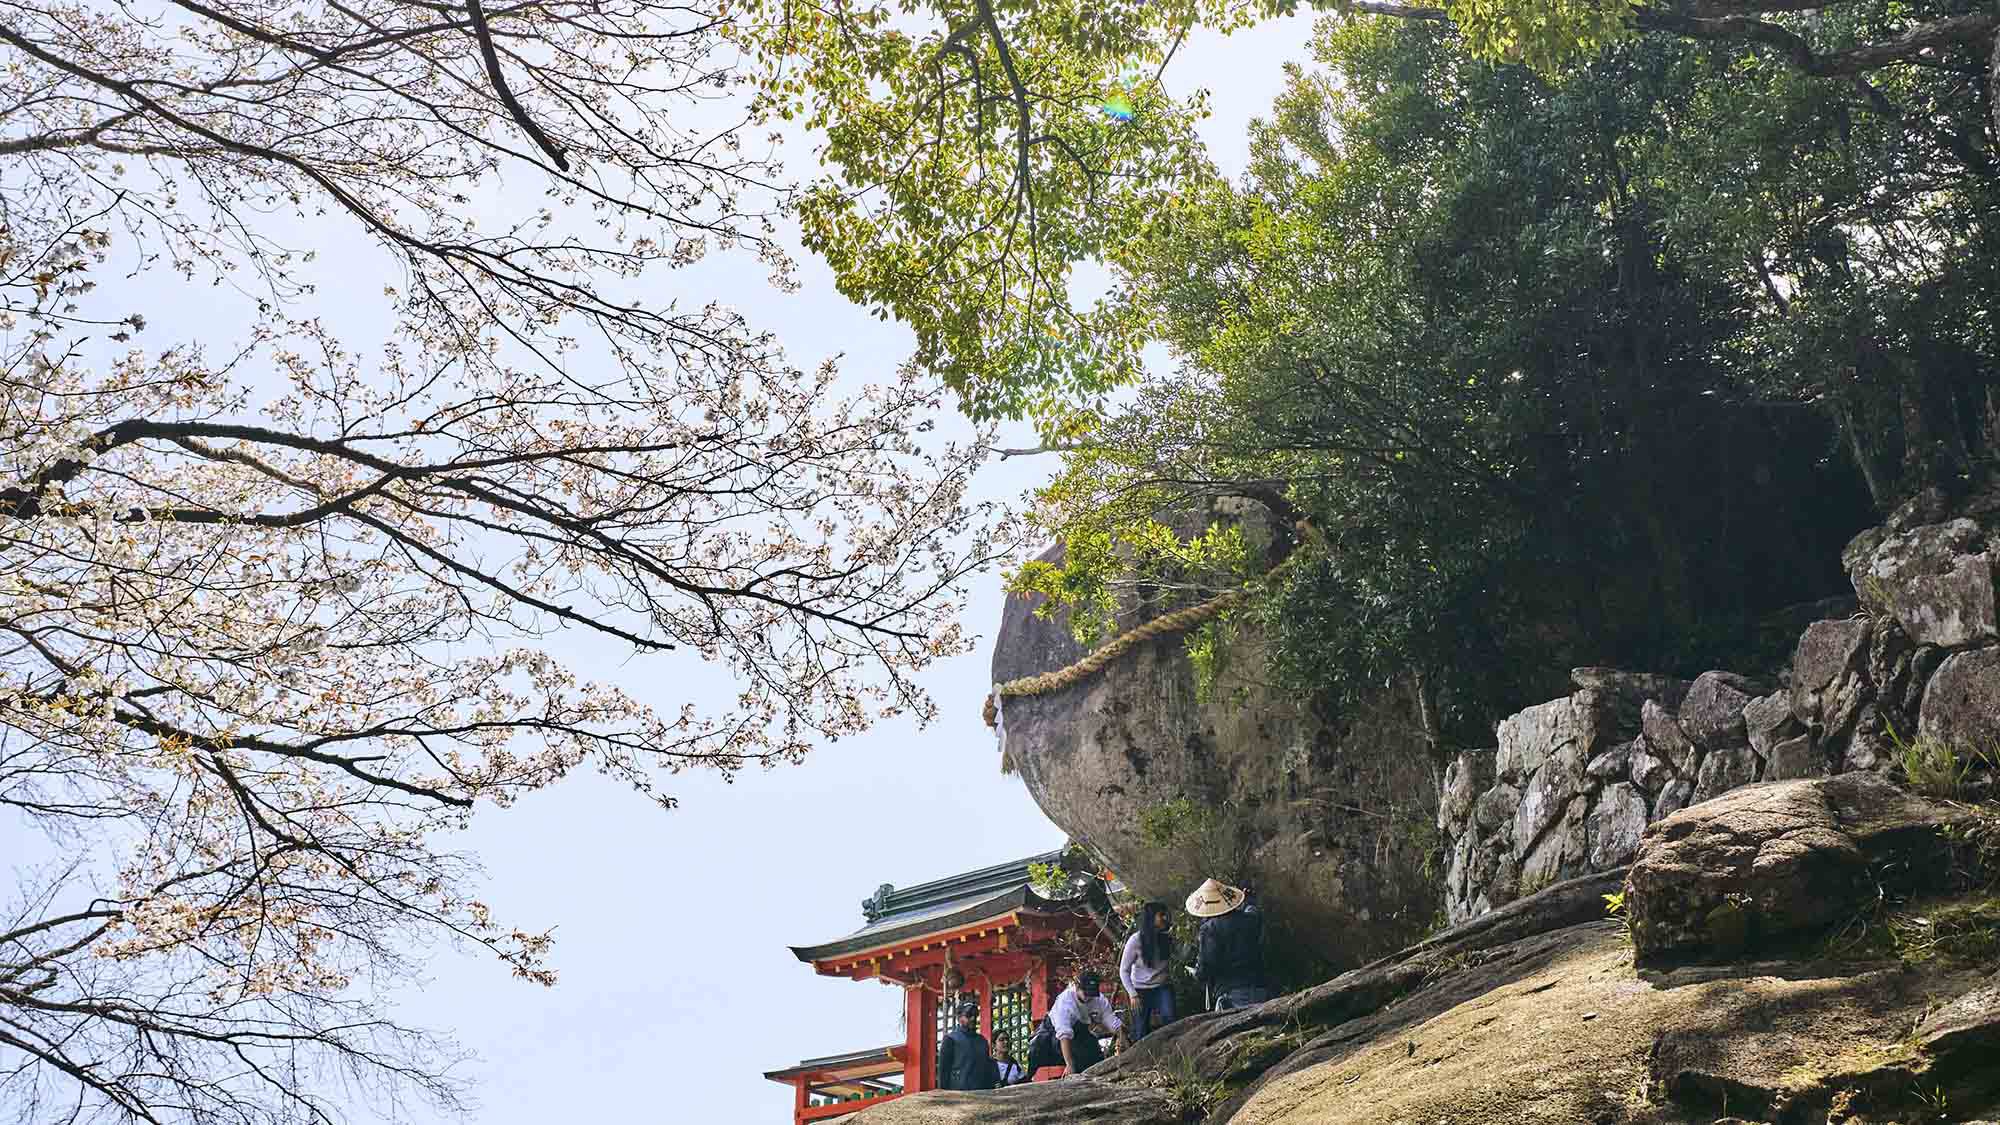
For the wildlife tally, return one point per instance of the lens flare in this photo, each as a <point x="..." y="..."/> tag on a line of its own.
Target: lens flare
<point x="1118" y="106"/>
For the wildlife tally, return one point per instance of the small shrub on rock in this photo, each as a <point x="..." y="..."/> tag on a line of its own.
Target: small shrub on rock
<point x="1932" y="767"/>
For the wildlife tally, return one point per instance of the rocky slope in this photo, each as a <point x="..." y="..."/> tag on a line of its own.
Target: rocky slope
<point x="1572" y="782"/>
<point x="1802" y="940"/>
<point x="1332" y="824"/>
<point x="1547" y="1010"/>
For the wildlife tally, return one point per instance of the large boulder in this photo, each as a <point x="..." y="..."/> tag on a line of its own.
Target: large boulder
<point x="1768" y="721"/>
<point x="1560" y="1029"/>
<point x="1496" y="807"/>
<point x="1607" y="704"/>
<point x="1611" y="765"/>
<point x="1724" y="770"/>
<point x="1664" y="736"/>
<point x="1772" y="860"/>
<point x="1828" y="682"/>
<point x="1674" y="796"/>
<point x="1712" y="713"/>
<point x="1616" y="824"/>
<point x="1795" y="757"/>
<point x="1333" y="823"/>
<point x="1530" y="736"/>
<point x="1971" y="1021"/>
<point x="1649" y="771"/>
<point x="1961" y="705"/>
<point x="1563" y="852"/>
<point x="1547" y="796"/>
<point x="1936" y="580"/>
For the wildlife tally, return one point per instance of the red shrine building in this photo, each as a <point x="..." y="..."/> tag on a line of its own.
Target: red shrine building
<point x="984" y="935"/>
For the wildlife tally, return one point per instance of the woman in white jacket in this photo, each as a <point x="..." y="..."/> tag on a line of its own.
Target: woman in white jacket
<point x="1143" y="970"/>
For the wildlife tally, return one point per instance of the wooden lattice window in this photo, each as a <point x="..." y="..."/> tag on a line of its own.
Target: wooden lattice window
<point x="1010" y="1016"/>
<point x="947" y="1012"/>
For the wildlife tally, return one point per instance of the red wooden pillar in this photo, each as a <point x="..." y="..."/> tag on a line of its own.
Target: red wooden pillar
<point x="799" y="1099"/>
<point x="920" y="1017"/>
<point x="1040" y="996"/>
<point x="986" y="1009"/>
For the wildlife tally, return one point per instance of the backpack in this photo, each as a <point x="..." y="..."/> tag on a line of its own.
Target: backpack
<point x="1042" y="1049"/>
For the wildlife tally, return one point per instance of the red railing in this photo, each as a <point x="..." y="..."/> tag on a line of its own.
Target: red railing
<point x="835" y="1109"/>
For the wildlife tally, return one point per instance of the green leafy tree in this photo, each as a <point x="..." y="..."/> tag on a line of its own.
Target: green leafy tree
<point x="1557" y="376"/>
<point x="981" y="150"/>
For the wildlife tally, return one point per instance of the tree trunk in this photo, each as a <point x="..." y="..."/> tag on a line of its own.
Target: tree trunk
<point x="1879" y="490"/>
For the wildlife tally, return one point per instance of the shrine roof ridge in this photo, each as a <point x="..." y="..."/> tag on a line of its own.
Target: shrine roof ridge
<point x="942" y="904"/>
<point x="837" y="1062"/>
<point x="888" y="902"/>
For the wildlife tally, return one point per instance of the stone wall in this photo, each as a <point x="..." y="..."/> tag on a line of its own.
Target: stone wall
<point x="1573" y="782"/>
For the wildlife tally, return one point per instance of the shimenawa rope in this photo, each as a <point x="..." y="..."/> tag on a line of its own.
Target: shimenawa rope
<point x="1179" y="621"/>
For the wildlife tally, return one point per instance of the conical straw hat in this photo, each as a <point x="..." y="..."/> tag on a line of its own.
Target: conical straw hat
<point x="1213" y="898"/>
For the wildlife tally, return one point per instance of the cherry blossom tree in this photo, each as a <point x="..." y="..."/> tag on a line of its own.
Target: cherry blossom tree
<point x="275" y="611"/>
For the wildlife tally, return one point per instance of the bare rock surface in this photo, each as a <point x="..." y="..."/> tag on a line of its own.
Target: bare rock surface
<point x="1771" y="860"/>
<point x="1961" y="705"/>
<point x="1039" y="1103"/>
<point x="1723" y="770"/>
<point x="1795" y="757"/>
<point x="1828" y="673"/>
<point x="1615" y="826"/>
<point x="1712" y="713"/>
<point x="1649" y="771"/>
<point x="1543" y="1010"/>
<point x="1971" y="1022"/>
<point x="1529" y="737"/>
<point x="1936" y="580"/>
<point x="1674" y="796"/>
<point x="1469" y="775"/>
<point x="1666" y="739"/>
<point x="1571" y="1032"/>
<point x="1330" y="822"/>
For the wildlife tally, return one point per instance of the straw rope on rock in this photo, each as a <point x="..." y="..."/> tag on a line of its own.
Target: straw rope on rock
<point x="1179" y="621"/>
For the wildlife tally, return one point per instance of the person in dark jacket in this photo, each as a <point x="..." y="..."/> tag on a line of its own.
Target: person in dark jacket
<point x="1230" y="955"/>
<point x="963" y="1062"/>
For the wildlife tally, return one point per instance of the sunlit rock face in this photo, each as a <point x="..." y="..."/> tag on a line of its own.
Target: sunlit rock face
<point x="1332" y="824"/>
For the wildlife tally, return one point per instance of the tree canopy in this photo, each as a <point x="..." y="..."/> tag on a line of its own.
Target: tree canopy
<point x="276" y="608"/>
<point x="1594" y="369"/>
<point x="981" y="151"/>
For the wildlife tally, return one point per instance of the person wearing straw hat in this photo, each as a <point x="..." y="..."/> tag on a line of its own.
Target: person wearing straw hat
<point x="1230" y="947"/>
